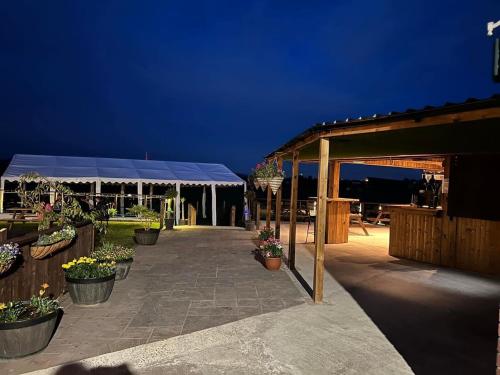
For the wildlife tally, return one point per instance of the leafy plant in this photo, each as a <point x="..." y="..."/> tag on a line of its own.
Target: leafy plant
<point x="67" y="233"/>
<point x="70" y="211"/>
<point x="37" y="306"/>
<point x="112" y="212"/>
<point x="8" y="253"/>
<point x="170" y="195"/>
<point x="145" y="215"/>
<point x="266" y="234"/>
<point x="88" y="268"/>
<point x="268" y="169"/>
<point x="272" y="248"/>
<point x="109" y="251"/>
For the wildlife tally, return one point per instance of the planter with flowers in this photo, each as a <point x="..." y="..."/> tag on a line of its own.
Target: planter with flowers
<point x="264" y="235"/>
<point x="272" y="250"/>
<point x="89" y="282"/>
<point x="145" y="235"/>
<point x="50" y="243"/>
<point x="27" y="326"/>
<point x="121" y="255"/>
<point x="8" y="255"/>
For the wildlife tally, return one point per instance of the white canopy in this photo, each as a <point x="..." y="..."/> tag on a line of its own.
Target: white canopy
<point x="85" y="169"/>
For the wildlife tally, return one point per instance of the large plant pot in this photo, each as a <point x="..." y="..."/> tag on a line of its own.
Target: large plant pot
<point x="20" y="339"/>
<point x="169" y="224"/>
<point x="146" y="237"/>
<point x="90" y="291"/>
<point x="249" y="225"/>
<point x="122" y="269"/>
<point x="273" y="264"/>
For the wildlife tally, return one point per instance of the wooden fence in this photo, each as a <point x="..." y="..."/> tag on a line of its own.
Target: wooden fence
<point x="25" y="277"/>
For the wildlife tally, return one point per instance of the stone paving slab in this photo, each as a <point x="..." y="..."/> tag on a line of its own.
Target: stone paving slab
<point x="189" y="281"/>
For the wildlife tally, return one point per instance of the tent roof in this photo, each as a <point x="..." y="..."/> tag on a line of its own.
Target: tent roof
<point x="86" y="169"/>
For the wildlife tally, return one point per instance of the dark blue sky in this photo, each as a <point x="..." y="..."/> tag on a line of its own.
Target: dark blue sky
<point x="225" y="81"/>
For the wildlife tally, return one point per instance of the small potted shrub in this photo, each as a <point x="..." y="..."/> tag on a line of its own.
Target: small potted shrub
<point x="170" y="196"/>
<point x="50" y="243"/>
<point x="89" y="282"/>
<point x="272" y="250"/>
<point x="27" y="326"/>
<point x="8" y="256"/>
<point x="264" y="235"/>
<point x="121" y="255"/>
<point x="145" y="235"/>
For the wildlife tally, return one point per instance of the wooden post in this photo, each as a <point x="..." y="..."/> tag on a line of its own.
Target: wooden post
<point x="233" y="216"/>
<point x="191" y="214"/>
<point x="277" y="223"/>
<point x="293" y="210"/>
<point x="257" y="216"/>
<point x="3" y="235"/>
<point x="319" y="254"/>
<point x="122" y="200"/>
<point x="332" y="209"/>
<point x="162" y="213"/>
<point x="269" y="206"/>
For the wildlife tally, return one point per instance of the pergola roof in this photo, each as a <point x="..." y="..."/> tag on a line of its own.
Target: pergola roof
<point x="453" y="128"/>
<point x="89" y="169"/>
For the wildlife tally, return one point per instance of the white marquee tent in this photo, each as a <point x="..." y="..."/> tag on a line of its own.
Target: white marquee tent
<point x="125" y="171"/>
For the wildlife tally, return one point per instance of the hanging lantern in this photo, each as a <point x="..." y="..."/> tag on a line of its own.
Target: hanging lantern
<point x="275" y="183"/>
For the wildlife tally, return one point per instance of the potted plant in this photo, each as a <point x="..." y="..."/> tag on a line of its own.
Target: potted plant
<point x="264" y="235"/>
<point x="272" y="250"/>
<point x="121" y="255"/>
<point x="170" y="196"/>
<point x="145" y="235"/>
<point x="50" y="243"/>
<point x="8" y="256"/>
<point x="89" y="282"/>
<point x="27" y="326"/>
<point x="112" y="212"/>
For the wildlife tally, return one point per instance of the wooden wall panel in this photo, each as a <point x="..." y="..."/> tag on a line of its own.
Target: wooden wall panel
<point x="25" y="278"/>
<point x="338" y="221"/>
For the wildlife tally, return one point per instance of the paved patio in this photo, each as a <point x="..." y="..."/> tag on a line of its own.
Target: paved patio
<point x="191" y="280"/>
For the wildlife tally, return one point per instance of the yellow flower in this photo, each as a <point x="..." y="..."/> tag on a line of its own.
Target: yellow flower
<point x="41" y="292"/>
<point x="3" y="306"/>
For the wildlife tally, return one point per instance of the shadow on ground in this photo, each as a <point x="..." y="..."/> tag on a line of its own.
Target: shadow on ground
<point x="77" y="369"/>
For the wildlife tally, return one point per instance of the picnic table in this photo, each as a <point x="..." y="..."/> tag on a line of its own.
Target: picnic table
<point x="20" y="215"/>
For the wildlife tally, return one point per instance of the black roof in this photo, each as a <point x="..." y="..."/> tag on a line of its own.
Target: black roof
<point x="410" y="113"/>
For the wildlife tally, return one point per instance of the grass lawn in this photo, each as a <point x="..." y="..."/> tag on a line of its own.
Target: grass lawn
<point x="122" y="232"/>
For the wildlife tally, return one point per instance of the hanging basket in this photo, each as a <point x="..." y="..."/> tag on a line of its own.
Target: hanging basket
<point x="263" y="182"/>
<point x="5" y="267"/>
<point x="275" y="183"/>
<point x="40" y="252"/>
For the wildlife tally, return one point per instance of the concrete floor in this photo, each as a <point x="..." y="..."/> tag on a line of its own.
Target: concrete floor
<point x="337" y="338"/>
<point x="442" y="321"/>
<point x="190" y="280"/>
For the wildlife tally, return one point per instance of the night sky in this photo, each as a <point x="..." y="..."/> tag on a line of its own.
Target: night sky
<point x="226" y="81"/>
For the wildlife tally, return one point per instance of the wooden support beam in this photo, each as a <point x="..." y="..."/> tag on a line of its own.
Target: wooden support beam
<point x="233" y="216"/>
<point x="277" y="228"/>
<point x="257" y="215"/>
<point x="333" y="192"/>
<point x="319" y="253"/>
<point x="334" y="180"/>
<point x="269" y="206"/>
<point x="293" y="210"/>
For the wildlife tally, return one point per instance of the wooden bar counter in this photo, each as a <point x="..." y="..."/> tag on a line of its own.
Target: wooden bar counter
<point x="415" y="233"/>
<point x="338" y="217"/>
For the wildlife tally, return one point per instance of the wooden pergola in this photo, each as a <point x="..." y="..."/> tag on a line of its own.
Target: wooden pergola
<point x="422" y="139"/>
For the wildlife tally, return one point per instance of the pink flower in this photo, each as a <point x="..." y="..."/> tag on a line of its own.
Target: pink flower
<point x="48" y="207"/>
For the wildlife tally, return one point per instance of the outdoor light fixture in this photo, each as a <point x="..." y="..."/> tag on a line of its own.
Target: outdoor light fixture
<point x="492" y="26"/>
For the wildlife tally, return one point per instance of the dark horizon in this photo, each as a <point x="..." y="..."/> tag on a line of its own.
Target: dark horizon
<point x="227" y="83"/>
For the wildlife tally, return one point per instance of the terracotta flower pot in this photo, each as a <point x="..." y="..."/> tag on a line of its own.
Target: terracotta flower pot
<point x="273" y="263"/>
